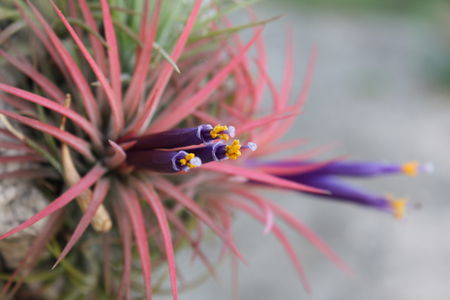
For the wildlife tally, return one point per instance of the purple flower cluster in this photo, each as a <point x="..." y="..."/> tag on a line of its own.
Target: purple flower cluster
<point x="156" y="152"/>
<point x="328" y="177"/>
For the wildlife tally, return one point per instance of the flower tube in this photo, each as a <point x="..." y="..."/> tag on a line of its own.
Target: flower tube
<point x="221" y="151"/>
<point x="163" y="161"/>
<point x="357" y="168"/>
<point x="327" y="177"/>
<point x="184" y="137"/>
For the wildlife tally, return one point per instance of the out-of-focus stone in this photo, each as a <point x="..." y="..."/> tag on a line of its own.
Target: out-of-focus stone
<point x="19" y="200"/>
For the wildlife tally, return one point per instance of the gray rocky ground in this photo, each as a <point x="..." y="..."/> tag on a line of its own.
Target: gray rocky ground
<point x="371" y="96"/>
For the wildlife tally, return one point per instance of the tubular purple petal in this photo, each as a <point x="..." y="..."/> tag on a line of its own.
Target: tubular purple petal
<point x="213" y="152"/>
<point x="326" y="177"/>
<point x="343" y="191"/>
<point x="221" y="151"/>
<point x="357" y="168"/>
<point x="163" y="161"/>
<point x="184" y="137"/>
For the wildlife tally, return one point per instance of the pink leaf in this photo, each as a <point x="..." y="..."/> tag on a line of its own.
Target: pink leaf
<point x="140" y="235"/>
<point x="69" y="113"/>
<point x="18" y="104"/>
<point x="100" y="191"/>
<point x="41" y="35"/>
<point x="137" y="87"/>
<point x="87" y="97"/>
<point x="288" y="145"/>
<point x="114" y="101"/>
<point x="97" y="46"/>
<point x="294" y="167"/>
<point x="194" y="244"/>
<point x="263" y="204"/>
<point x="84" y="183"/>
<point x="288" y="73"/>
<point x="171" y="117"/>
<point x="16" y="146"/>
<point x="126" y="239"/>
<point x="155" y="203"/>
<point x="270" y="119"/>
<point x="49" y="87"/>
<point x="113" y="53"/>
<point x="281" y="237"/>
<point x="20" y="158"/>
<point x="27" y="174"/>
<point x="299" y="102"/>
<point x="117" y="158"/>
<point x="71" y="140"/>
<point x="259" y="176"/>
<point x="171" y="190"/>
<point x="310" y="236"/>
<point x="153" y="99"/>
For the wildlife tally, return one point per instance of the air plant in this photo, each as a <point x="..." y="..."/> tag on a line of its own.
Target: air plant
<point x="122" y="109"/>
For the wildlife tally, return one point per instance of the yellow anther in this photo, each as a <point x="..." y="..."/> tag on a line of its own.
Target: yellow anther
<point x="233" y="150"/>
<point x="411" y="168"/>
<point x="216" y="132"/>
<point x="398" y="207"/>
<point x="186" y="160"/>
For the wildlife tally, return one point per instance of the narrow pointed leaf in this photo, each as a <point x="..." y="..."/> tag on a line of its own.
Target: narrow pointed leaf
<point x="114" y="101"/>
<point x="155" y="203"/>
<point x="310" y="236"/>
<point x="97" y="46"/>
<point x="113" y="53"/>
<point x="100" y="191"/>
<point x="171" y="190"/>
<point x="181" y="227"/>
<point x="126" y="239"/>
<point x="259" y="176"/>
<point x="64" y="111"/>
<point x="281" y="237"/>
<point x="137" y="87"/>
<point x="140" y="235"/>
<point x="88" y="99"/>
<point x="49" y="87"/>
<point x="71" y="140"/>
<point x="173" y="115"/>
<point x="153" y="99"/>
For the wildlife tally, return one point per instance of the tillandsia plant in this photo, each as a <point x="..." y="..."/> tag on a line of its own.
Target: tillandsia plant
<point x="148" y="115"/>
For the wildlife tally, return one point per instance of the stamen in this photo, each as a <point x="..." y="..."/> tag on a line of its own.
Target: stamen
<point x="184" y="161"/>
<point x="201" y="133"/>
<point x="231" y="131"/>
<point x="252" y="146"/>
<point x="398" y="207"/>
<point x="222" y="132"/>
<point x="233" y="150"/>
<point x="411" y="168"/>
<point x="191" y="161"/>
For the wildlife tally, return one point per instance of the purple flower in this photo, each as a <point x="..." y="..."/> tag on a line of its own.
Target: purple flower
<point x="328" y="177"/>
<point x="155" y="152"/>
<point x="183" y="137"/>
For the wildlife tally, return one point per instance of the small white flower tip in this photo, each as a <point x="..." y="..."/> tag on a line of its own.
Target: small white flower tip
<point x="196" y="161"/>
<point x="231" y="131"/>
<point x="252" y="146"/>
<point x="427" y="168"/>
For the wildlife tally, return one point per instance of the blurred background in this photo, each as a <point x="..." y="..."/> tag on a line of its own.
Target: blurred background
<point x="381" y="92"/>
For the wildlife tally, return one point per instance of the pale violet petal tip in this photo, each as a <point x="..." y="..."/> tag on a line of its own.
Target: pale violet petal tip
<point x="196" y="161"/>
<point x="231" y="131"/>
<point x="427" y="168"/>
<point x="252" y="146"/>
